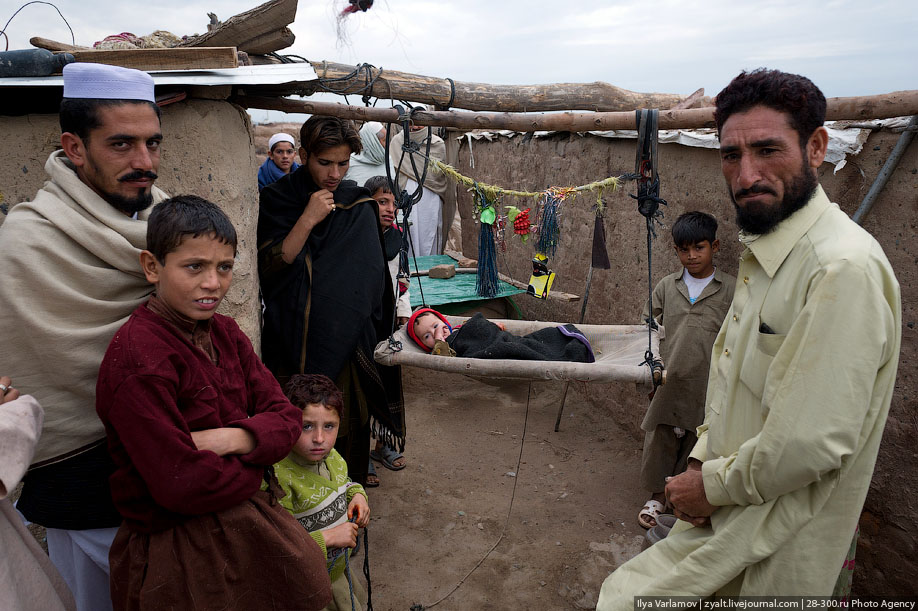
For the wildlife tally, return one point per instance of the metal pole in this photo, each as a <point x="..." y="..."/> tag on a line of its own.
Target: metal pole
<point x="880" y="181"/>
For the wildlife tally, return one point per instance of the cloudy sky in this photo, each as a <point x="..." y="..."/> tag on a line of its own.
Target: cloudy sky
<point x="846" y="47"/>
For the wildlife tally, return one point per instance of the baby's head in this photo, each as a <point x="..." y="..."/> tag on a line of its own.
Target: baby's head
<point x="426" y="327"/>
<point x="378" y="186"/>
<point x="323" y="405"/>
<point x="191" y="246"/>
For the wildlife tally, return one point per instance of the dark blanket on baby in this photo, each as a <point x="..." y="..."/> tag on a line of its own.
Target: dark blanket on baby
<point x="480" y="338"/>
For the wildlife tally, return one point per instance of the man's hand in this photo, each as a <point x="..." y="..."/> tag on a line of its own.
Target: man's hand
<point x="225" y="440"/>
<point x="685" y="492"/>
<point x="342" y="535"/>
<point x="320" y="205"/>
<point x="359" y="507"/>
<point x="7" y="392"/>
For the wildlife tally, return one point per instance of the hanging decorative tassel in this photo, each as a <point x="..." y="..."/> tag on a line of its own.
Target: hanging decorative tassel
<point x="550" y="222"/>
<point x="487" y="284"/>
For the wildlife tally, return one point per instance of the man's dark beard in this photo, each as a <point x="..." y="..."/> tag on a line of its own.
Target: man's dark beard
<point x="759" y="218"/>
<point x="133" y="205"/>
<point x="130" y="205"/>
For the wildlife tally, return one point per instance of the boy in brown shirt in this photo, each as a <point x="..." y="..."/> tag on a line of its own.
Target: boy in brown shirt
<point x="691" y="305"/>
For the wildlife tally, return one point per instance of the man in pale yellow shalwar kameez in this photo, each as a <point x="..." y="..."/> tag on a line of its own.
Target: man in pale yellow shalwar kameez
<point x="801" y="378"/>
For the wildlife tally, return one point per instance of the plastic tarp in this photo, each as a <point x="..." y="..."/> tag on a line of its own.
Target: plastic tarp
<point x="459" y="288"/>
<point x="619" y="351"/>
<point x="844" y="139"/>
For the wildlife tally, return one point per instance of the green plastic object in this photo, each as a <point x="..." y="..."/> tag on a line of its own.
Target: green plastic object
<point x="458" y="289"/>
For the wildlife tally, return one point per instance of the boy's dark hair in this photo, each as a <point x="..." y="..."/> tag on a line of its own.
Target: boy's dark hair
<point x="304" y="389"/>
<point x="374" y="183"/>
<point x="321" y="133"/>
<point x="693" y="227"/>
<point x="795" y="95"/>
<point x="81" y="115"/>
<point x="186" y="215"/>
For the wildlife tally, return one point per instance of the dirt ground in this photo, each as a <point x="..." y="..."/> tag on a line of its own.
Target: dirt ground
<point x="477" y="452"/>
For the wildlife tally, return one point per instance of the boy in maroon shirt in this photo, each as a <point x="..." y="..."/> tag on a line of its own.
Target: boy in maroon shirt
<point x="194" y="420"/>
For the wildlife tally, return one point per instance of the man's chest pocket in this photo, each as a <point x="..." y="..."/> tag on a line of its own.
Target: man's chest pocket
<point x="758" y="360"/>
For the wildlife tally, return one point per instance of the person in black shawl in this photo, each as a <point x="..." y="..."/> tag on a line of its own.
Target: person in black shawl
<point x="326" y="288"/>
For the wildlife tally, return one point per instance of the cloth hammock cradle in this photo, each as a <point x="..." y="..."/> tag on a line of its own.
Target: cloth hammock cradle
<point x="619" y="351"/>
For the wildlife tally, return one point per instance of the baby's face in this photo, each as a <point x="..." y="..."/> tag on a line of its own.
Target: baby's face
<point x="430" y="329"/>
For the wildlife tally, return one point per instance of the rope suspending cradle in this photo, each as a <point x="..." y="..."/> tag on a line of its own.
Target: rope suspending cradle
<point x="649" y="202"/>
<point x="405" y="201"/>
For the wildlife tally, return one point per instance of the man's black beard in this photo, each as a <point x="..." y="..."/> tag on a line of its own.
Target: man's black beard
<point x="130" y="205"/>
<point x="133" y="205"/>
<point x="758" y="218"/>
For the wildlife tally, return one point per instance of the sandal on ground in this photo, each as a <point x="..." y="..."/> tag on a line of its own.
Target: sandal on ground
<point x="387" y="457"/>
<point x="372" y="478"/>
<point x="647" y="517"/>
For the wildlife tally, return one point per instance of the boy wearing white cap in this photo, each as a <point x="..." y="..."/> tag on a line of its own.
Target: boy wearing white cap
<point x="71" y="279"/>
<point x="280" y="161"/>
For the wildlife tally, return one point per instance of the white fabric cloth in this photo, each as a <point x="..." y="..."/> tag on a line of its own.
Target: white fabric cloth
<point x="28" y="580"/>
<point x="403" y="301"/>
<point x="695" y="285"/>
<point x="372" y="160"/>
<point x="280" y="137"/>
<point x="82" y="558"/>
<point x="101" y="81"/>
<point x="71" y="278"/>
<point x="424" y="222"/>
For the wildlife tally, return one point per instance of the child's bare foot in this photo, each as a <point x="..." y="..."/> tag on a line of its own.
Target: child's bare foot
<point x="372" y="478"/>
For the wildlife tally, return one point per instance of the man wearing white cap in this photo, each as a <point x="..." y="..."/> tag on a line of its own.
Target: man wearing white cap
<point x="280" y="161"/>
<point x="71" y="279"/>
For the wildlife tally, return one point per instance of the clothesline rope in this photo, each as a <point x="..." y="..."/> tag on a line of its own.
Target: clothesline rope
<point x="493" y="192"/>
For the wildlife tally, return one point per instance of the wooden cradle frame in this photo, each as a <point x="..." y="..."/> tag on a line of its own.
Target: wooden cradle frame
<point x="619" y="351"/>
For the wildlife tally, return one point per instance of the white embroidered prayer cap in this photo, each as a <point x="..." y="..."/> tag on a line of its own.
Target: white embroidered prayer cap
<point x="280" y="137"/>
<point x="104" y="82"/>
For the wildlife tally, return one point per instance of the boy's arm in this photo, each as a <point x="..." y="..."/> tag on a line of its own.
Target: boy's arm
<point x="319" y="538"/>
<point x="403" y="305"/>
<point x="143" y="412"/>
<point x="658" y="298"/>
<point x="355" y="488"/>
<point x="358" y="507"/>
<point x="275" y="423"/>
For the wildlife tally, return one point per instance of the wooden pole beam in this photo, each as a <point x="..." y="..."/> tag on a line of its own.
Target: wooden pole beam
<point x="896" y="104"/>
<point x="439" y="92"/>
<point x="522" y="122"/>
